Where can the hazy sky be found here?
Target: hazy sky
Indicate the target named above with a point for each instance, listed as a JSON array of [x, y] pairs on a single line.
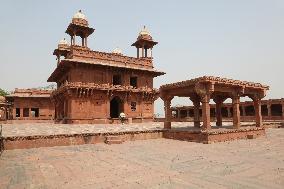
[[240, 39]]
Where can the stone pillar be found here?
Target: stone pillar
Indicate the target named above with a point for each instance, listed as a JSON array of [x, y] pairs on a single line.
[[168, 112], [205, 112], [244, 110], [178, 114], [196, 118], [142, 51], [269, 110], [229, 112], [137, 52], [86, 43], [21, 112], [187, 113], [74, 40], [107, 106], [218, 113], [257, 108], [236, 111]]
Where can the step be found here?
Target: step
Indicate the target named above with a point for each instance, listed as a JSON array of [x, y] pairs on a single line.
[[113, 141]]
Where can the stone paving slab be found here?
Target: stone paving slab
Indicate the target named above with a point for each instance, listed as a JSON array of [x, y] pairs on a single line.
[[159, 163], [43, 129]]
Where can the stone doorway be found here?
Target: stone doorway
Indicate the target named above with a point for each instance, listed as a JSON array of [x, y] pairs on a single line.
[[116, 107]]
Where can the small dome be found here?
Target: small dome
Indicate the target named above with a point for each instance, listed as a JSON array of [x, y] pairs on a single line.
[[117, 51], [144, 31], [63, 42], [2, 99], [80, 15]]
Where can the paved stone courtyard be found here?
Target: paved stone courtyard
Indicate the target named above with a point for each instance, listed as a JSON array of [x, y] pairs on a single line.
[[31, 129], [158, 163]]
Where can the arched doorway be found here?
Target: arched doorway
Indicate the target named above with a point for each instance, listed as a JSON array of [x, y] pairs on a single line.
[[116, 107]]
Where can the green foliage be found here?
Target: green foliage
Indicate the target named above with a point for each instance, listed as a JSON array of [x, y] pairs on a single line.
[[3, 92]]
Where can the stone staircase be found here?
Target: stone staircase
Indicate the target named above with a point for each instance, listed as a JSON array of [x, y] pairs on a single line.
[[111, 139]]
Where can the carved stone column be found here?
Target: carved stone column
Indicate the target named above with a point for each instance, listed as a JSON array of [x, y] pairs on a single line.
[[14, 113], [196, 118], [219, 113], [258, 116], [205, 112], [244, 110], [269, 110], [178, 116], [21, 112], [187, 113], [168, 112], [236, 111], [219, 102], [229, 111], [137, 52], [143, 55], [83, 42], [72, 41]]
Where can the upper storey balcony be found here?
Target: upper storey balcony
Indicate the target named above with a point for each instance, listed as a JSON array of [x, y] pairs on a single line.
[[84, 54]]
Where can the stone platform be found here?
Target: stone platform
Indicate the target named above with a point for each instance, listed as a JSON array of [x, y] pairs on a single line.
[[217, 134], [18, 136]]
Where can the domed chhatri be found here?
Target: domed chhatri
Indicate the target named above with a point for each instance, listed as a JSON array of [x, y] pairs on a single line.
[[79, 27], [117, 51], [80, 19], [62, 50], [144, 44], [80, 15], [145, 34], [63, 42], [144, 31]]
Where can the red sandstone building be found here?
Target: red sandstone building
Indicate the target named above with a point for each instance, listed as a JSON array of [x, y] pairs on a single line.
[[30, 105], [95, 87], [271, 110]]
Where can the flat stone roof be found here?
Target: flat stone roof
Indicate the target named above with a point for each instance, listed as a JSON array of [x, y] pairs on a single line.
[[23, 93], [215, 80]]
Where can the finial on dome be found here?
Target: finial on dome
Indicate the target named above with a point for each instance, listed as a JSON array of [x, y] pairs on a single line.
[[80, 15], [63, 42], [144, 31]]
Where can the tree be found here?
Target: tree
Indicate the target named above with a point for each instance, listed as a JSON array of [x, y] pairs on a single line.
[[3, 92]]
